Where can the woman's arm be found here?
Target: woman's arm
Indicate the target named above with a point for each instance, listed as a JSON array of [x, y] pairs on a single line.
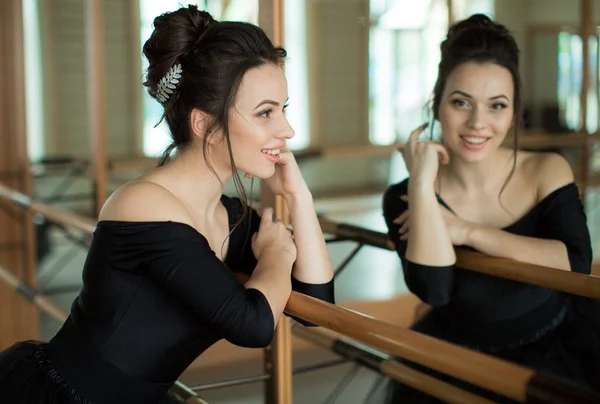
[[314, 276], [500, 243], [313, 265], [428, 240], [562, 240], [433, 284]]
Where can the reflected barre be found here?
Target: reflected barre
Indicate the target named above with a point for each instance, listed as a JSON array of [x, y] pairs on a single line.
[[565, 281], [51, 213], [390, 368]]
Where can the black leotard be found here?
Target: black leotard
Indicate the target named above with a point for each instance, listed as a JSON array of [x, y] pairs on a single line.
[[155, 296], [535, 326]]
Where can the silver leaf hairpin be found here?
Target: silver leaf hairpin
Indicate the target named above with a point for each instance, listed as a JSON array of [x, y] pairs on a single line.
[[168, 83]]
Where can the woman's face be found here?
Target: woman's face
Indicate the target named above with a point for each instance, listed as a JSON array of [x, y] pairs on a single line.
[[476, 110], [258, 127]]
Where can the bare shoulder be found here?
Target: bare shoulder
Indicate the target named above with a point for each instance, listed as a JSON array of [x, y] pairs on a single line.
[[549, 171], [144, 201]]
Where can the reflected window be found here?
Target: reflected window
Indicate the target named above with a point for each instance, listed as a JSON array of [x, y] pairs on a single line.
[[404, 53], [570, 76]]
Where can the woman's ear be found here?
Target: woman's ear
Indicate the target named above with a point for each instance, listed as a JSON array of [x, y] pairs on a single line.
[[199, 123]]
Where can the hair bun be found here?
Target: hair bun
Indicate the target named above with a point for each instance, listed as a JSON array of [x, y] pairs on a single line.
[[201, 21], [477, 31], [176, 35], [474, 24]]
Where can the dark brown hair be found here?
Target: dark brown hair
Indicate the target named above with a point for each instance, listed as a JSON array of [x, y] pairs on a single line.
[[481, 40], [214, 56]]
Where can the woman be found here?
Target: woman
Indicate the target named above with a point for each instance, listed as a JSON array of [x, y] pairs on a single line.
[[159, 284], [471, 191]]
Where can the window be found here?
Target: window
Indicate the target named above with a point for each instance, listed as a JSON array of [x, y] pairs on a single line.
[[156, 139], [570, 65], [33, 81], [296, 70]]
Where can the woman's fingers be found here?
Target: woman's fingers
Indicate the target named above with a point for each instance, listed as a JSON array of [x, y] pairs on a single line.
[[404, 228], [285, 156], [414, 136], [443, 153], [266, 217], [402, 218]]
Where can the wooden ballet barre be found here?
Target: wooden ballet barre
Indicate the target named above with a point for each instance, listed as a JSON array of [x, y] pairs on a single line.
[[179, 393], [52, 213], [510, 380], [565, 281], [390, 368], [32, 295]]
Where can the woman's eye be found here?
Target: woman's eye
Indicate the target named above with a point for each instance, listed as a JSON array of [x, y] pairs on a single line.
[[459, 103], [499, 105], [266, 113]]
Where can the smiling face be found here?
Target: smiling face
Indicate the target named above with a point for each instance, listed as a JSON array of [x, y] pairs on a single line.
[[258, 126], [476, 110]]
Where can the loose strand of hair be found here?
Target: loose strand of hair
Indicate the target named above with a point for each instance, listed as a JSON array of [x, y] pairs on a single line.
[[512, 171]]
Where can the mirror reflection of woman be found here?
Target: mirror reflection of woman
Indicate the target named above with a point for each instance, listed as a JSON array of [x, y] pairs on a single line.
[[471, 191]]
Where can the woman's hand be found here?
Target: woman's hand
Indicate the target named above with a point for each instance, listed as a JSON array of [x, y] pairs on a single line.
[[458, 229], [272, 236], [287, 180], [423, 158]]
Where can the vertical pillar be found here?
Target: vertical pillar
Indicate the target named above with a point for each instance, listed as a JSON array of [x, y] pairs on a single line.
[[97, 99], [278, 356], [18, 318]]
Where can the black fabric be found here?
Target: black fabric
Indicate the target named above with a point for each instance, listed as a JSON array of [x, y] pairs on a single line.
[[534, 326], [154, 297]]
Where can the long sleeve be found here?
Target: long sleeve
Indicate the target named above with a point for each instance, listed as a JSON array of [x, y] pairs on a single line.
[[433, 285], [180, 259], [247, 262], [563, 218]]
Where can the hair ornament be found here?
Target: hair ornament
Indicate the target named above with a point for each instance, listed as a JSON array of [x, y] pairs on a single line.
[[168, 83]]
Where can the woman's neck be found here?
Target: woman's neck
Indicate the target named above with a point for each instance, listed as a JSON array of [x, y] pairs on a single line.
[[189, 178], [480, 176]]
